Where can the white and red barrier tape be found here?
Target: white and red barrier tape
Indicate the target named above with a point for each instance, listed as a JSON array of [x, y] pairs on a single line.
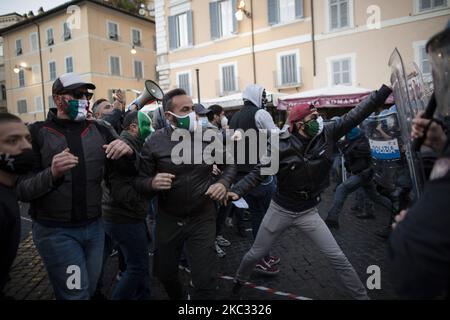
[[261, 288], [268, 290]]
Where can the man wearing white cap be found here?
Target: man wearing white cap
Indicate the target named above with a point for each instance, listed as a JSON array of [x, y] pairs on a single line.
[[64, 189]]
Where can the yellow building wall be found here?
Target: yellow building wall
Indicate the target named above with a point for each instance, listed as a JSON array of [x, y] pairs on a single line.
[[90, 49]]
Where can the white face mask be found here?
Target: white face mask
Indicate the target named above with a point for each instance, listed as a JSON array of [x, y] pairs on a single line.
[[224, 121]]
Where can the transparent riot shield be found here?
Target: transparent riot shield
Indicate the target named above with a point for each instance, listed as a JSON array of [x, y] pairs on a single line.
[[386, 146], [410, 98]]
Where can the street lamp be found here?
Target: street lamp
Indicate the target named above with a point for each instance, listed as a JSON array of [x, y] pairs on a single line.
[[133, 50], [22, 66], [241, 11], [239, 14]]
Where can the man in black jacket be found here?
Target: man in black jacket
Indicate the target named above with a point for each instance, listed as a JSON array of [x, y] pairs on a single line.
[[16, 157], [186, 194], [305, 157], [64, 189], [124, 213], [358, 163], [419, 246]]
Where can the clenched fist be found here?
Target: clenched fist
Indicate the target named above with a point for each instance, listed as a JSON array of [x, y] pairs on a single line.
[[62, 163], [162, 181], [217, 192]]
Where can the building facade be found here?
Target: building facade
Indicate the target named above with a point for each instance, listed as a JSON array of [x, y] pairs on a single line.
[[107, 46], [5, 21], [289, 46]]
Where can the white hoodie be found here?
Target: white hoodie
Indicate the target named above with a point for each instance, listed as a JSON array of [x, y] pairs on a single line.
[[263, 119]]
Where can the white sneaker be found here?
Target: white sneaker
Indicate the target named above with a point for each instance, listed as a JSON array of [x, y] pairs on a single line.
[[222, 241], [220, 252]]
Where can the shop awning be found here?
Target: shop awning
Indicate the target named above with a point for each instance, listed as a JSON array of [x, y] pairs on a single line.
[[328, 97], [235, 100]]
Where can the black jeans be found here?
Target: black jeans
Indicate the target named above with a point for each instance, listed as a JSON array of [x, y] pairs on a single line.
[[9, 244], [199, 234]]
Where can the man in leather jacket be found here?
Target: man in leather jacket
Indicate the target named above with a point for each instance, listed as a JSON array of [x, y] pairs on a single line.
[[186, 192], [305, 156]]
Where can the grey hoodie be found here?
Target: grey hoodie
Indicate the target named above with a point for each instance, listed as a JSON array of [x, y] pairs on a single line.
[[264, 120], [253, 93]]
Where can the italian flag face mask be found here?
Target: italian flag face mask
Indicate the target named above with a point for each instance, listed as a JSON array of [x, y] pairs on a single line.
[[77, 109], [145, 125], [187, 122]]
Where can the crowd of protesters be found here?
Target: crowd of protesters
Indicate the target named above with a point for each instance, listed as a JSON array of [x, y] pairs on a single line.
[[92, 175]]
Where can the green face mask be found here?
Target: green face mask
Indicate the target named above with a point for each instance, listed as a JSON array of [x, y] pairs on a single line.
[[145, 125], [312, 128], [186, 122]]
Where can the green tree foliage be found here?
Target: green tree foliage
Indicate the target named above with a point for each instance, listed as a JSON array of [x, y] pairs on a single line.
[[127, 5]]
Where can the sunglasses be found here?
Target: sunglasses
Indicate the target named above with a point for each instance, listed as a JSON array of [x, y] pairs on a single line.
[[79, 94]]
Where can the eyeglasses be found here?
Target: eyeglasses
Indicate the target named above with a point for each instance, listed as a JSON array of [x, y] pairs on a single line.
[[79, 94]]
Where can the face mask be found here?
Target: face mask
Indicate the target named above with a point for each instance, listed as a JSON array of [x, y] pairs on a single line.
[[264, 100], [224, 121], [77, 109], [187, 122], [203, 121], [18, 164], [320, 121], [312, 128], [145, 125]]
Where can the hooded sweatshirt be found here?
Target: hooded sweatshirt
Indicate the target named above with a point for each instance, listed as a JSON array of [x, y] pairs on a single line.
[[253, 94]]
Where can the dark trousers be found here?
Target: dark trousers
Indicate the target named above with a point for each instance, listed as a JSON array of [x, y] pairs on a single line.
[[198, 234], [222, 213], [9, 243]]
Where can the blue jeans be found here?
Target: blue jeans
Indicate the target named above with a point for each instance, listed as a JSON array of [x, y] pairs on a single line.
[[352, 184], [133, 241], [64, 251], [258, 201], [362, 202]]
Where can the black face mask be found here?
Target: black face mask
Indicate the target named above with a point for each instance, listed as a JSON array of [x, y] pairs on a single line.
[[18, 164]]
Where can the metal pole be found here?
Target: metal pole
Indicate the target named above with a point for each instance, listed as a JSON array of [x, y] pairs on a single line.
[[42, 71], [253, 45], [198, 85], [313, 38]]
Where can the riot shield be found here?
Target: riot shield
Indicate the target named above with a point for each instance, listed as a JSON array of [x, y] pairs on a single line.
[[410, 98], [438, 49], [386, 146]]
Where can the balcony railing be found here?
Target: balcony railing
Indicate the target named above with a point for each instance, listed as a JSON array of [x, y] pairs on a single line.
[[288, 80]]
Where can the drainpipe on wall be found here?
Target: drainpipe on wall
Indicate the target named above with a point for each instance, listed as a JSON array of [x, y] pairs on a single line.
[[198, 85], [312, 37], [42, 71], [253, 45]]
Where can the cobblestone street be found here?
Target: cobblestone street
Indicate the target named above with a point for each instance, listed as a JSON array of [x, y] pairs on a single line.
[[304, 272]]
